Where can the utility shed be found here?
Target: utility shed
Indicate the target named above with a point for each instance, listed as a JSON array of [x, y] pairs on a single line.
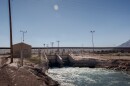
[[25, 48]]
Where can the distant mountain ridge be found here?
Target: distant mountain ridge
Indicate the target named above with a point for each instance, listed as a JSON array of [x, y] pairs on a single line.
[[126, 44]]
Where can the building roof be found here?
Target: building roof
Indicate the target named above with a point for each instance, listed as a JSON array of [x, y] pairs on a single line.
[[22, 44]]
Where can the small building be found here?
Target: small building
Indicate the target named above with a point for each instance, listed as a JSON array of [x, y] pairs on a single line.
[[21, 47]]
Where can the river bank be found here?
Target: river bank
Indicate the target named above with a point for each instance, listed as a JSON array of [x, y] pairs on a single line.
[[121, 64], [96, 61], [27, 75]]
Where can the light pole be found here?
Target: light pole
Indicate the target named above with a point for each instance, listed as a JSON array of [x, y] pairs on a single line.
[[52, 43], [23, 32], [44, 47], [82, 50], [22, 52], [47, 47], [11, 39], [92, 39], [58, 46]]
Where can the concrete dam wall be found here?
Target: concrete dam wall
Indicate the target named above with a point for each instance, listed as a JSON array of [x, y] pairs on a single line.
[[60, 60]]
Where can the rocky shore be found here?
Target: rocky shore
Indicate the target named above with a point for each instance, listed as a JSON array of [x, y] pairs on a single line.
[[12, 75], [120, 64]]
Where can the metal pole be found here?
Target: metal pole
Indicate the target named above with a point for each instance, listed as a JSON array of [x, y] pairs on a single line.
[[58, 46], [44, 47], [52, 43], [92, 40], [21, 56], [23, 36], [11, 39], [22, 52], [47, 49], [23, 32], [82, 50]]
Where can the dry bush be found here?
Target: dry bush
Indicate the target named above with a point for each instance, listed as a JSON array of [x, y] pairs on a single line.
[[34, 59]]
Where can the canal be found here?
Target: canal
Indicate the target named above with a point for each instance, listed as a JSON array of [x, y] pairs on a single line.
[[89, 77]]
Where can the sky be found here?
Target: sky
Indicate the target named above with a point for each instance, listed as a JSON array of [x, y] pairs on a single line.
[[69, 21]]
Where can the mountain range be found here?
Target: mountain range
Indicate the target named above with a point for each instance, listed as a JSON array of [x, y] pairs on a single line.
[[126, 44]]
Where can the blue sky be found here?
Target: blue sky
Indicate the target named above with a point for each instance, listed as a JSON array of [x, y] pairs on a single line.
[[69, 21]]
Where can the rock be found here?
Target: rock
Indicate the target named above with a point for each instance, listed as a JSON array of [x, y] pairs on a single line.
[[3, 61], [24, 76]]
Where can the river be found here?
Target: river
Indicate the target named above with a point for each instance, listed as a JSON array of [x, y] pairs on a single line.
[[89, 77]]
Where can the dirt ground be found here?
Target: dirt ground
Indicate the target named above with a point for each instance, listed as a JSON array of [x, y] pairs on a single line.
[[99, 56]]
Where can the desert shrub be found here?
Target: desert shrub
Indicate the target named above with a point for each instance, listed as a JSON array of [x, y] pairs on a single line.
[[34, 59]]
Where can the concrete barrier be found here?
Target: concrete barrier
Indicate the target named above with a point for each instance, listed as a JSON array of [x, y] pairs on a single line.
[[71, 59], [82, 63], [59, 60]]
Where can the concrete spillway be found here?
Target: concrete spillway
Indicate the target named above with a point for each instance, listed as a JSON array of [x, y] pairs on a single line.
[[60, 60], [70, 61]]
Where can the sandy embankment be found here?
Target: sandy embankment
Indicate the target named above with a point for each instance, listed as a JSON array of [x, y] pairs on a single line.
[[12, 75]]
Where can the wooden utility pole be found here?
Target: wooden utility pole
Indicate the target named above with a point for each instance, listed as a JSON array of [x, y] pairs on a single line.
[[10, 23]]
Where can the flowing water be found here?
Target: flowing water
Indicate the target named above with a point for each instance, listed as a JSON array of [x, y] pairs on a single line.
[[89, 77]]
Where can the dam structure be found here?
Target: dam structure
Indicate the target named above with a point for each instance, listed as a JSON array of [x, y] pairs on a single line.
[[86, 58], [79, 56], [58, 60]]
